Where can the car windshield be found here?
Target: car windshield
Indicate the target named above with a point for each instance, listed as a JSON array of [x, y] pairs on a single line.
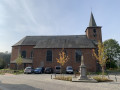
[[38, 68], [69, 68], [57, 67], [47, 68], [28, 67]]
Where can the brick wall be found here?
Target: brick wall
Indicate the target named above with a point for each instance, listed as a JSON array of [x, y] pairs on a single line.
[[28, 50], [89, 33], [40, 56], [15, 51]]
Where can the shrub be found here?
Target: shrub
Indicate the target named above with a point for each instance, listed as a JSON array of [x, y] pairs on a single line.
[[66, 78], [3, 71], [100, 79]]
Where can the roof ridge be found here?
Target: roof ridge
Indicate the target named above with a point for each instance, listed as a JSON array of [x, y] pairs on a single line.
[[54, 35]]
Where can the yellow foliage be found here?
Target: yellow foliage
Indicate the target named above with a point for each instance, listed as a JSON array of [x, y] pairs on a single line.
[[63, 58], [19, 60], [101, 56]]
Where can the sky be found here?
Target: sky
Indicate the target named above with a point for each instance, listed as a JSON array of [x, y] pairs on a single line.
[[20, 18]]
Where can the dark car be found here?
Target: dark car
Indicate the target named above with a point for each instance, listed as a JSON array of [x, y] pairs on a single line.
[[48, 70], [58, 69], [42, 69], [28, 70], [38, 70]]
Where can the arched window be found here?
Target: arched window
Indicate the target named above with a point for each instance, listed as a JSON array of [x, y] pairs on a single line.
[[65, 51], [31, 54], [78, 54], [94, 34], [94, 30], [23, 54], [49, 56]]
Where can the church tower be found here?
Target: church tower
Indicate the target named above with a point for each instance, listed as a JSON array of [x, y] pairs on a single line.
[[93, 31]]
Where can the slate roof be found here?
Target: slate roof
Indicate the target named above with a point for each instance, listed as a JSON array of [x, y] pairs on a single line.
[[67, 41], [92, 22]]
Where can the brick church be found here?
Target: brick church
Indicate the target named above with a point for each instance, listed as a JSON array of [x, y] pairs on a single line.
[[39, 51]]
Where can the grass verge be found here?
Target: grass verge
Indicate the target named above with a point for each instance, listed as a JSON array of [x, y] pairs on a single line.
[[15, 72], [97, 78], [100, 79], [65, 78]]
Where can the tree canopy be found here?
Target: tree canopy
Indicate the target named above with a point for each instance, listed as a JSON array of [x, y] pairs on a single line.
[[112, 49], [19, 61], [2, 63], [4, 59], [101, 56]]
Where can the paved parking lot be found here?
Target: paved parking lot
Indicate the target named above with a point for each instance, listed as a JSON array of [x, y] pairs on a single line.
[[44, 82]]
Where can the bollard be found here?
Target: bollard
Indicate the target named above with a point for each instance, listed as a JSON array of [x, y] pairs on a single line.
[[115, 78], [51, 76], [75, 75], [108, 76], [55, 75]]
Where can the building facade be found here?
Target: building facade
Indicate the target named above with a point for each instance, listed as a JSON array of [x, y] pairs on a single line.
[[39, 51]]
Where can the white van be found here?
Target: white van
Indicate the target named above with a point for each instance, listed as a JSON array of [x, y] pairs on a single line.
[[58, 69]]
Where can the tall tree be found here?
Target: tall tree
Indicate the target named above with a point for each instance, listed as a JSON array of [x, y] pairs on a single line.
[[5, 56], [101, 56], [63, 58], [113, 52], [2, 63]]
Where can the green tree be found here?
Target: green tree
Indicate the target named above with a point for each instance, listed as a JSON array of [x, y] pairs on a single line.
[[19, 61], [5, 56], [113, 52], [2, 63], [101, 56]]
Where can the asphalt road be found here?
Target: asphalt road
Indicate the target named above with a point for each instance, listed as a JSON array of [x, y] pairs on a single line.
[[44, 82]]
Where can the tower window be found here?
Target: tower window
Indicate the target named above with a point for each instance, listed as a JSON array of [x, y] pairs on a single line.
[[94, 34], [94, 30]]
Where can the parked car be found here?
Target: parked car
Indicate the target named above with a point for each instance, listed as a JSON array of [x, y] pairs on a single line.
[[69, 70], [42, 69], [38, 70], [48, 70], [28, 70], [57, 69]]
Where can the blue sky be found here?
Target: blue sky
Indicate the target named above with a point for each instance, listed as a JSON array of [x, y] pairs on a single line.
[[20, 18]]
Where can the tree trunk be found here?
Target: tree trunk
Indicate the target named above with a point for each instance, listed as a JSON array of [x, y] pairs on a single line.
[[102, 71], [61, 70], [17, 66]]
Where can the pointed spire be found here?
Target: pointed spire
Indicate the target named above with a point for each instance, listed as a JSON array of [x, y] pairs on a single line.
[[92, 22]]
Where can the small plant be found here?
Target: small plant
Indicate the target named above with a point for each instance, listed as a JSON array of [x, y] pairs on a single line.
[[102, 79], [63, 58], [18, 72], [66, 78], [19, 61]]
